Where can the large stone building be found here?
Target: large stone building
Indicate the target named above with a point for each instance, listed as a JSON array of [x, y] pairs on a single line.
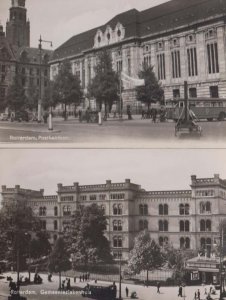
[[186, 218], [181, 39], [17, 58]]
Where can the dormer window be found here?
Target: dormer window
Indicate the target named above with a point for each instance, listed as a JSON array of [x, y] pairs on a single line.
[[119, 32], [99, 39], [174, 42], [146, 48], [108, 36]]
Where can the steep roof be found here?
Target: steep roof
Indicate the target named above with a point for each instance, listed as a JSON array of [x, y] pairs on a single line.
[[33, 54], [155, 20]]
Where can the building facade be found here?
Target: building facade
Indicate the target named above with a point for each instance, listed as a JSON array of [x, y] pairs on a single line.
[[187, 219], [17, 59], [182, 40]]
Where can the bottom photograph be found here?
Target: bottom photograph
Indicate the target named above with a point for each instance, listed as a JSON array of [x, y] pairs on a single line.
[[112, 224]]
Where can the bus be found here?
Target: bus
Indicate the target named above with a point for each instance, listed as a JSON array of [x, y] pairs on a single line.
[[100, 291], [200, 108]]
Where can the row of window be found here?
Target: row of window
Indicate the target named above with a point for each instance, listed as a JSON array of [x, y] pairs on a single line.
[[184, 225], [118, 196], [66, 210], [185, 242], [214, 93], [192, 64]]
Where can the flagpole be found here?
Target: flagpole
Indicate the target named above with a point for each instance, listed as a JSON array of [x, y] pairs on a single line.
[[120, 93]]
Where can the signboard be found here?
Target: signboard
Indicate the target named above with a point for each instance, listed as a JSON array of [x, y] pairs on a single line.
[[195, 275]]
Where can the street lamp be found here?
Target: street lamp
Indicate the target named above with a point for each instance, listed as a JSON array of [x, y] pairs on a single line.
[[221, 261], [29, 255], [120, 275], [40, 77]]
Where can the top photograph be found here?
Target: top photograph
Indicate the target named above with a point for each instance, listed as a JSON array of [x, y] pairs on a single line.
[[113, 74]]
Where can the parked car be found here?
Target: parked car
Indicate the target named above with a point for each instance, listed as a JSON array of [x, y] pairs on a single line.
[[21, 116], [4, 117]]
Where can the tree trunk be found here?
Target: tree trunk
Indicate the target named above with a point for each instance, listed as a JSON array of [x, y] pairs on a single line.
[[59, 280], [147, 278], [105, 110], [65, 112]]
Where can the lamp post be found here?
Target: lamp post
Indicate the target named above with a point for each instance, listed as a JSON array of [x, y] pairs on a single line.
[[29, 255], [221, 261], [120, 275], [40, 77]]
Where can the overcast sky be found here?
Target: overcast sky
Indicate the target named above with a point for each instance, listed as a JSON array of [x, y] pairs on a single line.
[[152, 169], [58, 20]]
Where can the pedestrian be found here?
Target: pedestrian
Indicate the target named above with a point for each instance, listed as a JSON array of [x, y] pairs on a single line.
[[68, 284], [180, 291], [75, 279], [195, 296], [63, 283], [83, 277], [211, 287], [142, 114], [205, 293], [127, 292], [158, 287], [88, 275], [198, 294], [80, 277]]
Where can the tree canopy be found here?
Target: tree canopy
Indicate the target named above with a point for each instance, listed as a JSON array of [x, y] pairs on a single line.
[[66, 87], [87, 243], [16, 99], [146, 254], [19, 227], [58, 259], [152, 90], [104, 86]]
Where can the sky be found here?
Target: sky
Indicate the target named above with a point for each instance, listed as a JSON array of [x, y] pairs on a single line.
[[58, 20], [153, 169]]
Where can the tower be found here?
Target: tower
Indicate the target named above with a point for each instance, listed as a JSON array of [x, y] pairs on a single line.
[[18, 27]]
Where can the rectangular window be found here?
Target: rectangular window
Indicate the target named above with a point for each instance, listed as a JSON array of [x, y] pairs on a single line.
[[83, 197], [161, 66], [117, 196], [212, 58], [129, 66], [192, 62], [102, 197], [176, 93], [176, 65], [119, 66], [92, 197], [67, 198], [214, 92], [193, 93]]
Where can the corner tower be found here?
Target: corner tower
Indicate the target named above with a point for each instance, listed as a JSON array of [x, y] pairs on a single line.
[[18, 27]]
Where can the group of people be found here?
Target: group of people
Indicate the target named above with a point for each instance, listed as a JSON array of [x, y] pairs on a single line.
[[83, 277], [37, 278], [66, 284], [153, 113], [207, 294]]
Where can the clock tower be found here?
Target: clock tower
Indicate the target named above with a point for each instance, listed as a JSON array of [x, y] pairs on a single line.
[[18, 27]]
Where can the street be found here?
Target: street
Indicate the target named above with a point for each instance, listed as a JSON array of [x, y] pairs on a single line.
[[47, 290], [113, 133]]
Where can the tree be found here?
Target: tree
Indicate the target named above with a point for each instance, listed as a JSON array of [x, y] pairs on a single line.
[[152, 90], [32, 97], [146, 255], [58, 259], [16, 222], [16, 99], [40, 245], [66, 87], [87, 243], [105, 85], [175, 260]]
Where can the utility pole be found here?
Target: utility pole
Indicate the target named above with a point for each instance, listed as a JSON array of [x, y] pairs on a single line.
[[40, 77], [120, 276]]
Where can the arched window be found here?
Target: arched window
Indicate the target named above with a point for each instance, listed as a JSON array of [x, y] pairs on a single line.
[[165, 225], [205, 244], [187, 226], [165, 209], [181, 225], [67, 210], [201, 207], [42, 211], [117, 242], [161, 241], [55, 211], [143, 209], [102, 207], [202, 225], [187, 243], [117, 225], [182, 241], [143, 224], [55, 225], [160, 225], [115, 209], [186, 209], [160, 209], [208, 225], [208, 207]]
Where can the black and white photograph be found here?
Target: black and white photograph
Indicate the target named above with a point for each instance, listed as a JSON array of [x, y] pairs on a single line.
[[113, 74], [112, 224]]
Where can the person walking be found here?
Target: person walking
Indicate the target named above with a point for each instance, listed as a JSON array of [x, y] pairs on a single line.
[[127, 292], [198, 294], [158, 287], [195, 296], [180, 291]]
